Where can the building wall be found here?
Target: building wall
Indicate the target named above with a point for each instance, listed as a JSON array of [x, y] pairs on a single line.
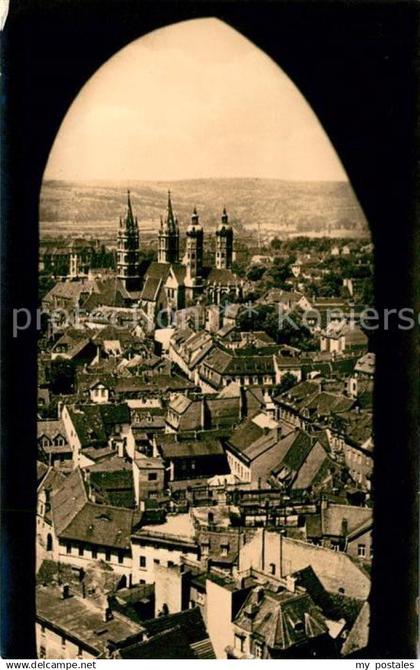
[[170, 589], [72, 436], [237, 467], [360, 465], [50, 644], [144, 488], [219, 617], [361, 546], [68, 552], [270, 551], [155, 554]]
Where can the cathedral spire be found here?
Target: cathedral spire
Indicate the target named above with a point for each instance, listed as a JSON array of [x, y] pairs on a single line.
[[129, 219], [128, 249], [170, 216], [168, 237]]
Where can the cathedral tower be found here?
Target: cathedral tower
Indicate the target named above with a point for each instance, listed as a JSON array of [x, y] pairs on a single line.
[[128, 250], [168, 239], [224, 243], [193, 259], [194, 247]]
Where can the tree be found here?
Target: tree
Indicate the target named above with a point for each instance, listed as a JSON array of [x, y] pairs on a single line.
[[287, 381], [276, 244], [238, 269], [62, 376], [279, 273], [255, 272]]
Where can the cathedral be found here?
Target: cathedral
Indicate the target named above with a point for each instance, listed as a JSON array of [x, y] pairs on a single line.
[[171, 283]]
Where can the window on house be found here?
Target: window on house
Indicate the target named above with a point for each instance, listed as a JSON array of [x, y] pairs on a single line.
[[68, 548], [120, 557], [152, 476], [108, 555], [142, 561], [224, 548], [43, 629], [63, 641], [81, 550], [361, 550], [156, 561], [42, 652], [170, 564], [272, 568]]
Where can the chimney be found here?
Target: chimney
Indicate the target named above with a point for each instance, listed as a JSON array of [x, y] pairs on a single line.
[[290, 583], [203, 413], [242, 403], [259, 592], [344, 527], [65, 591], [121, 449], [59, 408], [107, 614]]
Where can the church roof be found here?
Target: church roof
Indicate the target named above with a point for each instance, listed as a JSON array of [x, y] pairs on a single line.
[[158, 270], [151, 289], [221, 276]]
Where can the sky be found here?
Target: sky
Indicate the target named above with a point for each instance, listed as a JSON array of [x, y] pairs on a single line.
[[191, 100]]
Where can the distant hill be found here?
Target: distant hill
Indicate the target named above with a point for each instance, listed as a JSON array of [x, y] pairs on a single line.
[[277, 206]]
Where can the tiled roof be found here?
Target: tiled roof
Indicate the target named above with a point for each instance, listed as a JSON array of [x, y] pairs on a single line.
[[168, 644], [317, 462], [51, 428], [225, 362], [221, 276], [245, 434], [333, 517], [179, 403], [189, 620], [104, 525], [190, 448], [41, 471], [68, 500], [158, 271], [366, 364], [276, 615], [109, 292], [69, 290], [151, 289]]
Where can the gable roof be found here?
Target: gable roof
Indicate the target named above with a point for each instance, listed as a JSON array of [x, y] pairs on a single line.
[[51, 428], [103, 525], [171, 448], [333, 516], [275, 615], [68, 500], [168, 644], [151, 289]]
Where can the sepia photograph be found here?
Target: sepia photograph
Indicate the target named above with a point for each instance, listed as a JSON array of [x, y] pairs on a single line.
[[207, 329]]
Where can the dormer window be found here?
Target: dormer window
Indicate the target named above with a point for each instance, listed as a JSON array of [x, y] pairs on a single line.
[[299, 627]]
